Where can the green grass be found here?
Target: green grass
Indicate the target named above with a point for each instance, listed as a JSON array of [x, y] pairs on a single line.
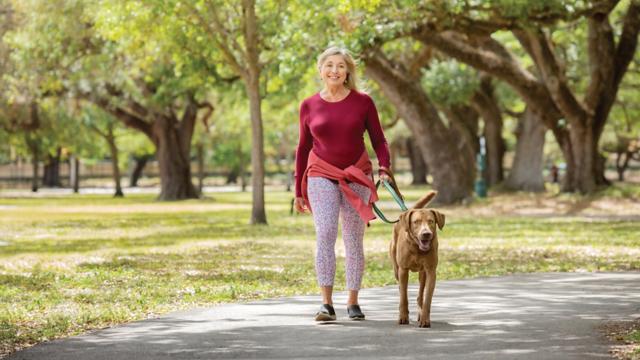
[[74, 263], [634, 338]]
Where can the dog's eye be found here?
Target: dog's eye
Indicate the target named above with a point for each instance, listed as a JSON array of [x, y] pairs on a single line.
[[431, 221]]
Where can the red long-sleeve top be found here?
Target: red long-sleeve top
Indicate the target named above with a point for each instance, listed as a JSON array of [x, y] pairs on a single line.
[[335, 132]]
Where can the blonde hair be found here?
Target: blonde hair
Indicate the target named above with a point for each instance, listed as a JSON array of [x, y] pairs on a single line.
[[351, 81]]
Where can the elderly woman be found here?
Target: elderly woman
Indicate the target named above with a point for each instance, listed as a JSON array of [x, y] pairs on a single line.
[[334, 173]]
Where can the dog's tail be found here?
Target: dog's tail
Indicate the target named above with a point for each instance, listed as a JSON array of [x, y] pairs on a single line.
[[425, 200]]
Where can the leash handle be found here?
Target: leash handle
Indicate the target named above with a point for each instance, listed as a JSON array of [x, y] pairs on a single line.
[[395, 196]]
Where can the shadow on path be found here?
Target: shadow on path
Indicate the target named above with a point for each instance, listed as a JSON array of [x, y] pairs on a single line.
[[536, 316]]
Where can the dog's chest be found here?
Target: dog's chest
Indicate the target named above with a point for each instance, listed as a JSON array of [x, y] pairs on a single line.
[[415, 261]]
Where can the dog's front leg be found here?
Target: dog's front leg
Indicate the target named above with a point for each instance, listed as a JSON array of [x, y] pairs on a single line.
[[423, 280], [425, 315], [403, 275]]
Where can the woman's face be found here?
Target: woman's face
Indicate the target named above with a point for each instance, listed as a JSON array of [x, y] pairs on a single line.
[[334, 71]]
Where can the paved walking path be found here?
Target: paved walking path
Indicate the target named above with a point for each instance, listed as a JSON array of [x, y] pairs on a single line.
[[532, 316]]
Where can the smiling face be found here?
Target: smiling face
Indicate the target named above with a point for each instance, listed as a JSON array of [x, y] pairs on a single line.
[[333, 71], [422, 224]]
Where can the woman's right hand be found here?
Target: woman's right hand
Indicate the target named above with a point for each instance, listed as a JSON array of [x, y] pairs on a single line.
[[300, 205]]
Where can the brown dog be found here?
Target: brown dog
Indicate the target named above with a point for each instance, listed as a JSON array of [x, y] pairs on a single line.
[[415, 248]]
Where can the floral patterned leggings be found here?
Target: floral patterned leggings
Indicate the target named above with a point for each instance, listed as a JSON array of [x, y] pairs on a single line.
[[327, 201]]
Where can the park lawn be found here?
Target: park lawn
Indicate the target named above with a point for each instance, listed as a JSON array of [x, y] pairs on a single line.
[[73, 263]]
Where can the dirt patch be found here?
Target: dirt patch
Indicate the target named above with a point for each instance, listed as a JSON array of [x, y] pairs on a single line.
[[550, 205], [625, 346]]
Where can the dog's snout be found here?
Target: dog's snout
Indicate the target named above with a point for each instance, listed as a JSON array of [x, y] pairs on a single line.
[[426, 235]]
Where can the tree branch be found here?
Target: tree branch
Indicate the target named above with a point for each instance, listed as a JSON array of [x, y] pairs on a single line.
[[207, 115], [420, 60], [251, 35], [539, 48], [376, 55], [216, 31], [188, 123], [601, 52], [98, 131], [628, 42], [491, 57], [129, 119], [140, 110]]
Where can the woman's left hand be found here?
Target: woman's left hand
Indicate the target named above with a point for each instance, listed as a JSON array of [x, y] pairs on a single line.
[[384, 176]]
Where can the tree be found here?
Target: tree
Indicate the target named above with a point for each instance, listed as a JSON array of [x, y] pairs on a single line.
[[526, 170], [550, 94], [484, 102], [241, 37], [104, 125], [453, 171], [103, 53], [623, 137]]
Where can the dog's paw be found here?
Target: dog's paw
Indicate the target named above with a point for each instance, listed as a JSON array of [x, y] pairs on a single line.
[[425, 324], [403, 320]]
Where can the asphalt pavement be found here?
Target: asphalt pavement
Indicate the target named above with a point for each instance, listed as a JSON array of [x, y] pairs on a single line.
[[528, 316]]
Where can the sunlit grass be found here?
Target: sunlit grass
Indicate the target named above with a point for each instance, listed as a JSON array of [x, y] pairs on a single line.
[[73, 263]]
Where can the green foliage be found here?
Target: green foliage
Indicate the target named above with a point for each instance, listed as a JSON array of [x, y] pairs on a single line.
[[522, 9], [450, 82], [230, 135]]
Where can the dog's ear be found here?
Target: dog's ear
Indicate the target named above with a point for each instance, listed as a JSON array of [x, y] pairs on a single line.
[[405, 220], [439, 218]]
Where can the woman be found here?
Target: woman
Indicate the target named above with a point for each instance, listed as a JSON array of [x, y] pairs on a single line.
[[334, 174]]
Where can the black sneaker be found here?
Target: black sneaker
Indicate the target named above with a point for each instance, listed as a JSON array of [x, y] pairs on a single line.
[[354, 312], [326, 313]]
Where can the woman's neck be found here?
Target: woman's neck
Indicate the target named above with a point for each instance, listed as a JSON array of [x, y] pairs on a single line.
[[336, 93]]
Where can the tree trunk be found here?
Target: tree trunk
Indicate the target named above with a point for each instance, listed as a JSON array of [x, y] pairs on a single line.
[[600, 167], [526, 170], [172, 146], [51, 172], [170, 135], [258, 214], [113, 149], [418, 165], [252, 83], [74, 173], [242, 172], [622, 163], [488, 55], [484, 102], [200, 152], [584, 152], [453, 172], [463, 125], [394, 151], [232, 176], [35, 160], [141, 162], [290, 156]]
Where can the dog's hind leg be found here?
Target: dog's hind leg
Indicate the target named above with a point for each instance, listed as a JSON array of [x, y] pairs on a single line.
[[423, 280]]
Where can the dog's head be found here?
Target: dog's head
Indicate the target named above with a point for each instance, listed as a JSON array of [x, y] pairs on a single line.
[[422, 224]]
